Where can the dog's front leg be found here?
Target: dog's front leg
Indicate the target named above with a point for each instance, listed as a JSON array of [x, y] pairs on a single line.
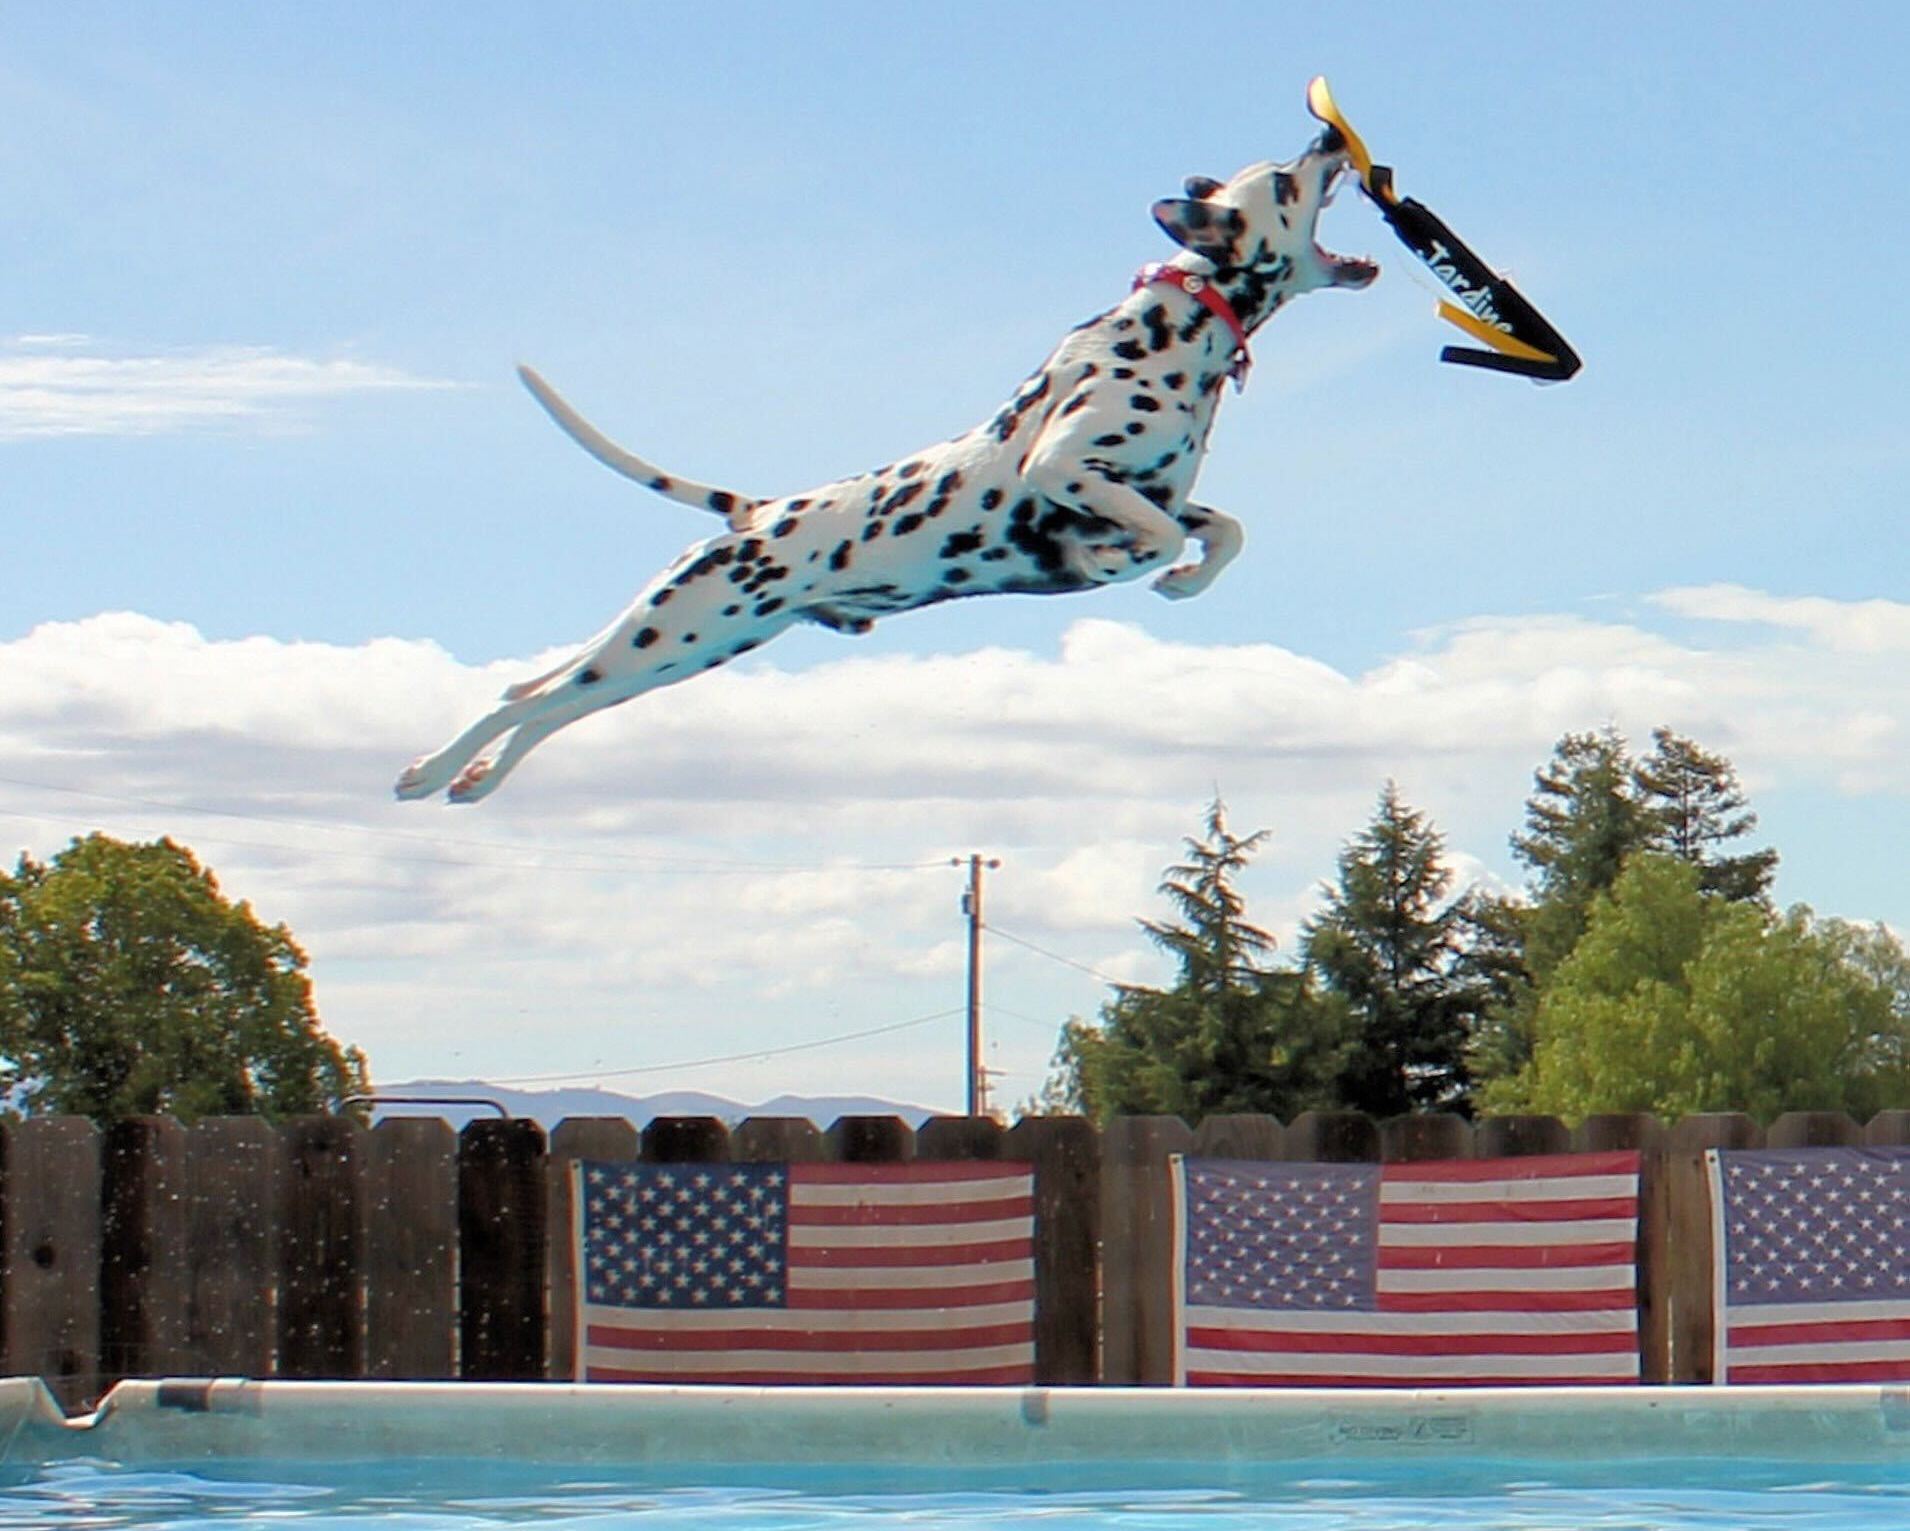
[[1152, 536], [1220, 537]]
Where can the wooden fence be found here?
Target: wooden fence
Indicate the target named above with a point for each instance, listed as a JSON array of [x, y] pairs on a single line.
[[321, 1248]]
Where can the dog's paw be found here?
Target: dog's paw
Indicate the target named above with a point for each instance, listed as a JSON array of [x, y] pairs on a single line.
[[417, 780], [469, 784], [1185, 580]]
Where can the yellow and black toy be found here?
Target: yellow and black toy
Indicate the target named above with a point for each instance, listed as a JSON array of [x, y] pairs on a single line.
[[1483, 303]]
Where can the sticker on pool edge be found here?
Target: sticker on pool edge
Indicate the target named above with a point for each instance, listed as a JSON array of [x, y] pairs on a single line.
[[1393, 1430]]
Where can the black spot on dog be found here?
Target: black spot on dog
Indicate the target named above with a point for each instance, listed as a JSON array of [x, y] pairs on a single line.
[[1167, 461], [935, 506], [1144, 404], [872, 531], [1174, 379], [1124, 373], [748, 549], [662, 597], [994, 555], [1123, 325], [1024, 511], [689, 637], [783, 527], [958, 543], [661, 483], [990, 498], [1160, 494], [1132, 350], [949, 482], [1134, 427], [722, 501], [1159, 333], [839, 560], [769, 607], [644, 638], [1090, 370], [903, 495], [1195, 325], [910, 469], [745, 646], [1110, 441], [1285, 188], [956, 576], [589, 677], [1080, 401], [730, 611], [906, 524], [796, 505]]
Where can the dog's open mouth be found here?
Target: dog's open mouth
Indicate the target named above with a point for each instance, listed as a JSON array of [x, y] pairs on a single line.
[[1343, 270]]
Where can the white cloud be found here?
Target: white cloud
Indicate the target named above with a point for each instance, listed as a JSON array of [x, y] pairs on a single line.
[[68, 385], [763, 856]]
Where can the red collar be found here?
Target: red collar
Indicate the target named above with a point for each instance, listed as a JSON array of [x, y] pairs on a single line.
[[1211, 298]]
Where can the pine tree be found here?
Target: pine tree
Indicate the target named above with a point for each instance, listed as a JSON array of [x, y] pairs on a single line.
[[1231, 1034], [1386, 942], [1694, 804]]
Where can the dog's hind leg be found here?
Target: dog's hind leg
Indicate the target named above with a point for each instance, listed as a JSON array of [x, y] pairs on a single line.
[[486, 774], [432, 773], [733, 507]]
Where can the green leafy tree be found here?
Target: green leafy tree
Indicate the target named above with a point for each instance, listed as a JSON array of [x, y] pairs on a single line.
[[1695, 807], [1387, 941], [1592, 808], [130, 985], [1232, 1034], [1678, 1000]]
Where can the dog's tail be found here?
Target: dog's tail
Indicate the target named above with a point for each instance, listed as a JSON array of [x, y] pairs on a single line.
[[733, 507]]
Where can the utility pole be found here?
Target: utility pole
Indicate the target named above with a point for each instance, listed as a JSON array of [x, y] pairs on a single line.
[[972, 907]]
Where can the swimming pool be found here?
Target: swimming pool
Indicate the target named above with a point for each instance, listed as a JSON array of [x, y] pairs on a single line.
[[447, 1456]]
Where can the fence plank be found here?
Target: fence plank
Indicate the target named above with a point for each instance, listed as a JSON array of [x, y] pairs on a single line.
[[502, 1219], [604, 1139], [1137, 1259], [321, 1247], [1066, 1154], [1813, 1129], [1332, 1137], [870, 1140], [50, 1208], [959, 1137], [686, 1140], [143, 1274], [1640, 1131], [411, 1250], [232, 1238], [1888, 1129], [1239, 1135], [777, 1140], [1425, 1135], [1688, 1235], [1515, 1137]]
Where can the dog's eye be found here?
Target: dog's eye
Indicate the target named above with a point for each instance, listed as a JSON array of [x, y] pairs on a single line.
[[1201, 187]]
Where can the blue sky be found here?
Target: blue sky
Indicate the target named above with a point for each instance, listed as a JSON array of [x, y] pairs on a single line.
[[266, 272]]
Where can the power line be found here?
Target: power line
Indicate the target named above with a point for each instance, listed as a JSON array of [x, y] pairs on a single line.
[[1042, 951], [760, 1052]]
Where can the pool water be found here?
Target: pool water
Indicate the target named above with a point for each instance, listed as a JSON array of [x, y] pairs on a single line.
[[304, 1496]]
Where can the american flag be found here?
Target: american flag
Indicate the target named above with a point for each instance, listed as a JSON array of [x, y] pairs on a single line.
[[1812, 1264], [762, 1273], [1474, 1272]]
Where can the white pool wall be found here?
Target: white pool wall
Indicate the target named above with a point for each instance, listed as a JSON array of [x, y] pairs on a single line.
[[181, 1421]]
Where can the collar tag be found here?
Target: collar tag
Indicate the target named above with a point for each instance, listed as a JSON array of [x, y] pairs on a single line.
[[1211, 298]]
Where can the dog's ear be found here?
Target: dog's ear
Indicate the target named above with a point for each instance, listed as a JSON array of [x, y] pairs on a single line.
[[1201, 187], [1206, 229]]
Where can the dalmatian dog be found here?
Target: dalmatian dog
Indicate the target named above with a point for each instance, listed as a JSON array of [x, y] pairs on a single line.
[[1081, 479]]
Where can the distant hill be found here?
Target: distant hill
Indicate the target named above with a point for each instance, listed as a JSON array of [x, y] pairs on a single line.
[[549, 1107]]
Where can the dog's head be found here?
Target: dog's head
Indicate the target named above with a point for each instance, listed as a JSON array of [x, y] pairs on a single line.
[[1261, 223]]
